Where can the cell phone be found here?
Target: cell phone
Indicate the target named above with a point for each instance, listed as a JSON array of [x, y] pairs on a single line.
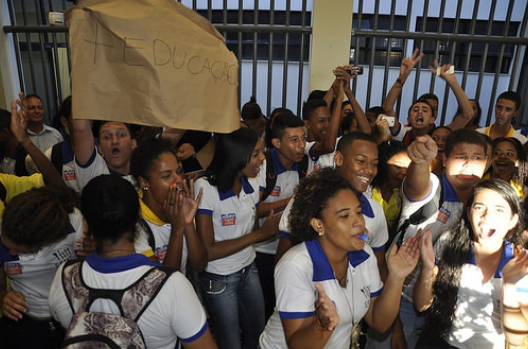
[[356, 70], [390, 120]]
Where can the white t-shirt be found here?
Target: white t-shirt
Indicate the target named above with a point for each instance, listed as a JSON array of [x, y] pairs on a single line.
[[233, 216], [295, 276], [174, 313]]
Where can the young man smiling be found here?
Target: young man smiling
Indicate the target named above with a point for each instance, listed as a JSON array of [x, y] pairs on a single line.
[[42, 135]]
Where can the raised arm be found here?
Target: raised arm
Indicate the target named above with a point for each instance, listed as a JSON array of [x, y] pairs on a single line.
[[406, 68], [327, 145], [462, 99], [83, 139], [359, 113], [417, 183], [514, 312], [18, 128]]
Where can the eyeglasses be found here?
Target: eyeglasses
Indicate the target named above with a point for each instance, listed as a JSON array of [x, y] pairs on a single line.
[[33, 107]]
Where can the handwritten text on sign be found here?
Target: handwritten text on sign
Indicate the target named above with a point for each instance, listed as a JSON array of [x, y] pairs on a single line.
[[131, 51]]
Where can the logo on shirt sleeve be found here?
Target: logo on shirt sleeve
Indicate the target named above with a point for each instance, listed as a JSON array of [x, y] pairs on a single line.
[[13, 268], [228, 219], [161, 252], [276, 191], [443, 215]]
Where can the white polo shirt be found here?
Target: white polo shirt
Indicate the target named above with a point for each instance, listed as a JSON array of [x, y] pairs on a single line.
[[377, 227], [287, 181], [296, 274], [318, 162], [174, 313], [233, 216], [68, 165], [94, 167], [31, 274]]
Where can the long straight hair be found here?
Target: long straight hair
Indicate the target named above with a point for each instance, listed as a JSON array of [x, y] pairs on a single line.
[[457, 252], [232, 153]]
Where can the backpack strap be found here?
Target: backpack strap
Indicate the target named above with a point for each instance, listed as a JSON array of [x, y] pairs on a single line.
[[144, 290], [302, 167], [422, 214], [150, 234], [271, 177]]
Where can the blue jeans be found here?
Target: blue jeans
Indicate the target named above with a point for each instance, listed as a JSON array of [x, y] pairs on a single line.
[[234, 301]]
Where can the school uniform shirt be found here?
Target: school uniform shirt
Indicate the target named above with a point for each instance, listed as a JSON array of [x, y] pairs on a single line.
[[448, 214], [319, 162], [296, 274], [287, 181], [374, 222], [31, 274], [174, 313], [161, 232], [477, 322], [511, 133], [46, 138], [233, 216], [68, 165], [96, 166]]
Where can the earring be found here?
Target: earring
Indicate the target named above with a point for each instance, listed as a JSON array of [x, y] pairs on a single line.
[[320, 232], [145, 188]]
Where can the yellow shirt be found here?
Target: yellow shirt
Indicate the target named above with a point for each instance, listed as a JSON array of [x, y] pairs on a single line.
[[391, 208], [15, 185], [515, 185]]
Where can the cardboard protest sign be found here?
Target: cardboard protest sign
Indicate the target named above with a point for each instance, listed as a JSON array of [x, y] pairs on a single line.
[[151, 62]]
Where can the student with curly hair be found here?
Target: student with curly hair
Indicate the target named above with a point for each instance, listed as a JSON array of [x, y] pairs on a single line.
[[462, 289], [39, 232], [330, 281]]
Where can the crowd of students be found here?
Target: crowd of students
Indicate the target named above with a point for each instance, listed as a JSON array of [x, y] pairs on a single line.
[[335, 230]]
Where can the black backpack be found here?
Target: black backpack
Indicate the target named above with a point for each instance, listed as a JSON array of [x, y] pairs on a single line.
[[271, 176], [104, 330]]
